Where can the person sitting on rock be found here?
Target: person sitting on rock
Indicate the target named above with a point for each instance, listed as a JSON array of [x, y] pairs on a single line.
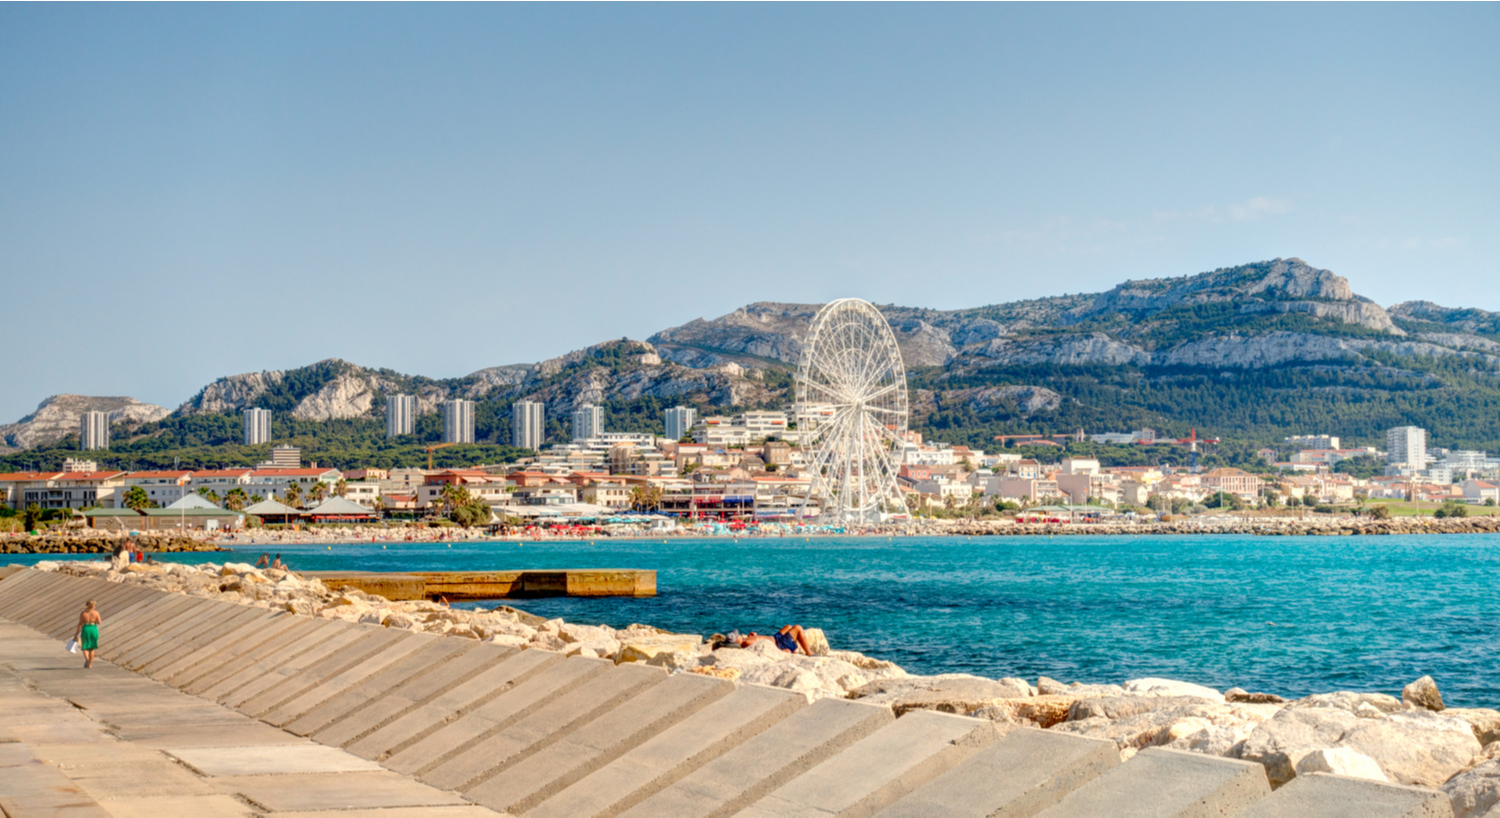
[[264, 561], [278, 564], [788, 639]]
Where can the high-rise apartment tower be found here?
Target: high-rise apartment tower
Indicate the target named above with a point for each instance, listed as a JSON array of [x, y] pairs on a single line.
[[588, 421], [400, 415], [680, 421], [257, 426], [527, 429], [1408, 445], [93, 431], [458, 421]]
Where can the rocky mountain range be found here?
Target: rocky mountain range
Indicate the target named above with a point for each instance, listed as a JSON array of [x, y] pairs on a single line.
[[987, 361]]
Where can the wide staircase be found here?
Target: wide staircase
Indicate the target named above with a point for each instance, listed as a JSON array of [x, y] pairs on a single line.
[[531, 733]]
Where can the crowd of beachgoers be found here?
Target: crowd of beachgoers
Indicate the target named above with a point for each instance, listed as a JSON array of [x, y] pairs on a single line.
[[1407, 738]]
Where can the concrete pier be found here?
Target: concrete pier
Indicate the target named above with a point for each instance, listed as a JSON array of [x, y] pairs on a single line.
[[465, 585], [198, 707]]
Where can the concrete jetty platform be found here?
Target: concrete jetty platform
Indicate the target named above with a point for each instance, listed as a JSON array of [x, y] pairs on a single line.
[[198, 707], [523, 584]]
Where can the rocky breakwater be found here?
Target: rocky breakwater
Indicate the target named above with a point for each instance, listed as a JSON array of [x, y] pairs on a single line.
[[1329, 526], [1413, 739], [96, 542]]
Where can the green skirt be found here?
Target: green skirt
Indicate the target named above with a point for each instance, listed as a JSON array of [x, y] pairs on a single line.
[[88, 639]]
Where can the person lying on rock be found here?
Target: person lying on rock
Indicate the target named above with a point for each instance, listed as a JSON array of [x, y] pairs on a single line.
[[788, 639]]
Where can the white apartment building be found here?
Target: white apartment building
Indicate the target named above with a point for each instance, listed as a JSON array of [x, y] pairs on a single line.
[[588, 421], [220, 481], [528, 424], [762, 424], [78, 464], [93, 431], [458, 421], [257, 426], [363, 493], [1407, 446], [918, 455], [273, 483], [1314, 441], [400, 415], [680, 421], [284, 457], [720, 431], [162, 487]]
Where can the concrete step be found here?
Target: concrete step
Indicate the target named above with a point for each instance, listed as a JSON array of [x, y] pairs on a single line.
[[513, 704], [300, 675], [205, 617], [403, 644], [140, 626], [472, 763], [247, 628], [420, 718], [768, 761], [427, 656], [233, 618], [228, 654], [879, 769], [1159, 783], [418, 691], [1024, 772], [1337, 796], [671, 755], [551, 769], [266, 658]]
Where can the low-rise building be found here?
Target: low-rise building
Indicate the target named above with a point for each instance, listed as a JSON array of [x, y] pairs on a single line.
[[1238, 482]]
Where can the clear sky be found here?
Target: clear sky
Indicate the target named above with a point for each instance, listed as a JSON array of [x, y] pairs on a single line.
[[191, 191]]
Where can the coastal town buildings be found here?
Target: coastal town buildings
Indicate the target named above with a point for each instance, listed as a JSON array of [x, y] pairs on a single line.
[[528, 425], [257, 426], [400, 415], [1406, 449]]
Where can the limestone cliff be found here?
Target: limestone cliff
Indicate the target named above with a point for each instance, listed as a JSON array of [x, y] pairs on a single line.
[[58, 416]]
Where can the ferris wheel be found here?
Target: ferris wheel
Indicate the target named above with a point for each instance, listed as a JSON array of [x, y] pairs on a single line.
[[851, 407]]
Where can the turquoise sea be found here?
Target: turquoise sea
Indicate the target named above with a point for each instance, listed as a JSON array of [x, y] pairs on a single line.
[[1284, 615]]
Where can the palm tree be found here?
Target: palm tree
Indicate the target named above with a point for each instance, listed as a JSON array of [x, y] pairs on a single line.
[[234, 499], [208, 494], [379, 506], [293, 495], [136, 498], [256, 498], [341, 488], [319, 493]]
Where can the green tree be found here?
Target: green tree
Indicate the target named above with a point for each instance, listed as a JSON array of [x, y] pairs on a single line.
[[208, 494], [293, 495], [319, 493], [234, 499], [1381, 512], [32, 517], [136, 498], [341, 488]]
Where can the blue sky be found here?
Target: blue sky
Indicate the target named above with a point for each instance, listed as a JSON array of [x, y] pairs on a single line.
[[191, 191]]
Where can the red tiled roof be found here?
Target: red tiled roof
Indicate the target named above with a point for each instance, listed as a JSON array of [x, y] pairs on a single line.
[[223, 473], [16, 477], [158, 475], [89, 475], [289, 472]]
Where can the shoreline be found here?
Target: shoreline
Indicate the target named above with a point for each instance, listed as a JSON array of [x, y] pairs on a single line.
[[1412, 739]]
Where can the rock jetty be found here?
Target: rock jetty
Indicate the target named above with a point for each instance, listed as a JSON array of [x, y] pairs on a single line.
[[94, 542], [1413, 740]]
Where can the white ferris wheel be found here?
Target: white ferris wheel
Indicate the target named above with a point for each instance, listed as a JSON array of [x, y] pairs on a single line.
[[851, 398]]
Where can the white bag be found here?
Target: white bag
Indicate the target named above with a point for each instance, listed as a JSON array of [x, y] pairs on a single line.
[[72, 646]]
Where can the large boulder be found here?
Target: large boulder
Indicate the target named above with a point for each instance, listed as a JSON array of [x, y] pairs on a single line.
[[1370, 705], [1475, 792], [1182, 723], [1423, 693], [1280, 742], [1037, 711], [1418, 748], [1052, 687], [957, 693], [872, 667], [644, 648], [1151, 686], [1484, 721], [1341, 761]]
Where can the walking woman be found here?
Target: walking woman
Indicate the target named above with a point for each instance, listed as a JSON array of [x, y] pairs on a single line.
[[88, 633]]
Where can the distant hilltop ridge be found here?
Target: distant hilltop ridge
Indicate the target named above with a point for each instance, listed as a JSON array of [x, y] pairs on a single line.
[[1248, 317]]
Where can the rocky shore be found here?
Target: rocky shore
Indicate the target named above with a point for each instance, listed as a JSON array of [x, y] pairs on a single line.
[[1329, 526], [1411, 739], [96, 542]]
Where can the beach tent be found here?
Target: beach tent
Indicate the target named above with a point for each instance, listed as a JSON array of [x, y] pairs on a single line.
[[274, 512], [340, 509], [193, 501]]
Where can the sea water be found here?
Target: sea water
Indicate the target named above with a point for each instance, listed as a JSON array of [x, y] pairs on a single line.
[[1286, 615]]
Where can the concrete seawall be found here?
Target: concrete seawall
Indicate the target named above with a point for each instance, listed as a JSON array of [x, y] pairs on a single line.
[[409, 720], [524, 584]]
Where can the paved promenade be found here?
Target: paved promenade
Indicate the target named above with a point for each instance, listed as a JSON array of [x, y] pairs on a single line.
[[208, 708]]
